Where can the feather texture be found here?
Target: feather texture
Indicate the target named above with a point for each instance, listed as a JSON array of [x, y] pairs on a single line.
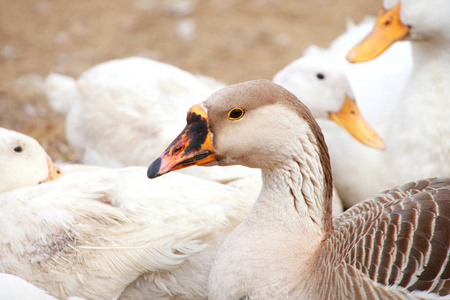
[[95, 232], [399, 237]]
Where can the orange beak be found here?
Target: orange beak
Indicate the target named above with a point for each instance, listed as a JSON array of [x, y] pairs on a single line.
[[388, 29], [351, 120], [53, 171], [192, 146]]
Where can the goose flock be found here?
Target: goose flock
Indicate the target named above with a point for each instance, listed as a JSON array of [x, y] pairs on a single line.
[[285, 157]]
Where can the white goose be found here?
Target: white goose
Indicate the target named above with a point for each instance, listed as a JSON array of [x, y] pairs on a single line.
[[25, 155], [393, 246], [102, 233], [418, 130]]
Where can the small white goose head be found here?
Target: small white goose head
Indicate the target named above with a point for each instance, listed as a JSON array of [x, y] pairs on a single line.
[[321, 84], [419, 20], [23, 162]]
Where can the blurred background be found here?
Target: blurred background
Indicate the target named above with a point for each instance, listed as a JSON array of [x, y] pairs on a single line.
[[230, 40]]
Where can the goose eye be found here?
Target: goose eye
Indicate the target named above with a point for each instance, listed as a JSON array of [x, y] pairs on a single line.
[[18, 149], [320, 76], [235, 113]]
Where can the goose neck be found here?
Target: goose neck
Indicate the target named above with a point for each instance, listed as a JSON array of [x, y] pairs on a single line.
[[294, 195], [431, 55]]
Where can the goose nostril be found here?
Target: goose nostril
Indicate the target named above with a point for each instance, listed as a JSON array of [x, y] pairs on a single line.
[[387, 22], [178, 150]]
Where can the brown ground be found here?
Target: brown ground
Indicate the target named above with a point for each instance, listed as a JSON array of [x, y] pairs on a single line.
[[234, 40]]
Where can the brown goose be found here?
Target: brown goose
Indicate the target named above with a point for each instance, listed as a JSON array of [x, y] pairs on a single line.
[[392, 246]]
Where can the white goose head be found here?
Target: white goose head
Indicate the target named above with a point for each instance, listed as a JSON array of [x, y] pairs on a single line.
[[321, 84], [23, 162], [417, 20], [318, 82]]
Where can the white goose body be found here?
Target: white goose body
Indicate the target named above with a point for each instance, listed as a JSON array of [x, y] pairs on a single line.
[[97, 233], [416, 131], [393, 246], [426, 140], [103, 233]]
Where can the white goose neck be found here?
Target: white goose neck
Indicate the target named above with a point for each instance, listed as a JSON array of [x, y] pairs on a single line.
[[429, 55]]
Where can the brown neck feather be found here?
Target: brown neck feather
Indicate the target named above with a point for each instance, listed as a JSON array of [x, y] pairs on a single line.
[[304, 112]]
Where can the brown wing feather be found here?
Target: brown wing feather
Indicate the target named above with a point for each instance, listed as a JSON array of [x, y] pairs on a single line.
[[400, 237]]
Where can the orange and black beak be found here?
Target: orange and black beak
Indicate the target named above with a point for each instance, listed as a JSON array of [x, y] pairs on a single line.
[[387, 30], [193, 146]]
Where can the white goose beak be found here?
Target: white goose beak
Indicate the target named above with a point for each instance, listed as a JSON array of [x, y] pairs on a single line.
[[351, 120], [53, 171]]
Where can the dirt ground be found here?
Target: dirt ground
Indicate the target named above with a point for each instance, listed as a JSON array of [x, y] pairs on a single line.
[[231, 40]]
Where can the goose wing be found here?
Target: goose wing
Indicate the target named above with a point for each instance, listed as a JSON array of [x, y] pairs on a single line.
[[400, 237]]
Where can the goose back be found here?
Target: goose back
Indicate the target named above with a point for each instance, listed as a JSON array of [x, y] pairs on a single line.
[[397, 238]]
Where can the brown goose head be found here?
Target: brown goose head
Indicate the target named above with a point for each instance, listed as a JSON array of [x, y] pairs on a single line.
[[255, 124]]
